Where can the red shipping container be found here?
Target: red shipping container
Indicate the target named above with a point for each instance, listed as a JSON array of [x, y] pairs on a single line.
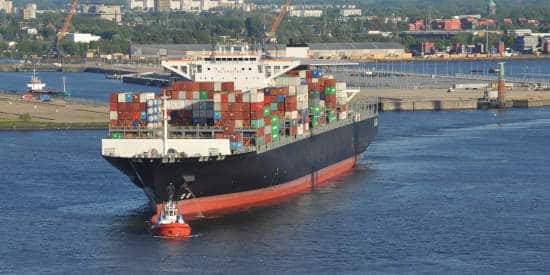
[[246, 123], [260, 132], [256, 107], [225, 107], [267, 121], [114, 98], [228, 86], [309, 74], [313, 87], [211, 94], [135, 98], [219, 135], [330, 83], [135, 115], [238, 97], [174, 94], [206, 86], [268, 138], [113, 106], [224, 98], [122, 107], [257, 115], [135, 107]]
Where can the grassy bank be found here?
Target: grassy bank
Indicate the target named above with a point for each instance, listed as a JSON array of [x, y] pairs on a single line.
[[19, 125]]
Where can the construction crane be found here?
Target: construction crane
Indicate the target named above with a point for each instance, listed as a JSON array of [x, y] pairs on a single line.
[[65, 27], [270, 36]]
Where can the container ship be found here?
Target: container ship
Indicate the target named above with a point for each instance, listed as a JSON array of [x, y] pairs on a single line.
[[242, 130]]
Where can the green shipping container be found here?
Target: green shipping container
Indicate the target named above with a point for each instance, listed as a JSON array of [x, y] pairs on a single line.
[[274, 106], [267, 111], [274, 129], [116, 135], [274, 137], [330, 90], [203, 95], [274, 120], [314, 110]]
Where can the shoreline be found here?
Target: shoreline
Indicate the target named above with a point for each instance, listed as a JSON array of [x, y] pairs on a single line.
[[18, 125]]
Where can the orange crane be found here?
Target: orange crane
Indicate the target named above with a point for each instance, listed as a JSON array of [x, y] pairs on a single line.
[[65, 27], [271, 35]]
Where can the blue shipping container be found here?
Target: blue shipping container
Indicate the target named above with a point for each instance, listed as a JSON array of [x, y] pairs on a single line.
[[281, 99], [143, 116], [217, 115], [128, 98], [236, 145]]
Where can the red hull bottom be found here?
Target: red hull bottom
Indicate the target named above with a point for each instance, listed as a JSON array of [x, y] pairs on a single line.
[[214, 206], [173, 230]]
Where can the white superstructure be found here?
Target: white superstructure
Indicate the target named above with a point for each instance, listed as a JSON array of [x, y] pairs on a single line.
[[234, 63]]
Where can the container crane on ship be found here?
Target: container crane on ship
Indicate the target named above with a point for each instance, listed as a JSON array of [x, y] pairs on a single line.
[[61, 34], [270, 36]]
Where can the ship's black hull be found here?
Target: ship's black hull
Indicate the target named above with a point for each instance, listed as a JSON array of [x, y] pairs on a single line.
[[189, 178]]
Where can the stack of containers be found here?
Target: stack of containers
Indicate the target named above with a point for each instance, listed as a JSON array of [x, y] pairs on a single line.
[[341, 100], [314, 103], [330, 99], [154, 115], [128, 110], [291, 115]]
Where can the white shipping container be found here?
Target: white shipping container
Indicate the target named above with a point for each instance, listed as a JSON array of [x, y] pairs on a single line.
[[122, 97], [315, 80], [217, 97], [196, 95], [217, 106], [113, 115], [301, 89], [322, 104], [256, 97], [302, 74], [217, 86], [300, 129], [292, 90], [231, 98], [175, 104], [267, 130], [182, 94], [342, 115], [143, 97], [238, 123], [341, 86]]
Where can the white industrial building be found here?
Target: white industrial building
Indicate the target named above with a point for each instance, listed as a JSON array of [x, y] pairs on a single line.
[[81, 38], [350, 12], [306, 13]]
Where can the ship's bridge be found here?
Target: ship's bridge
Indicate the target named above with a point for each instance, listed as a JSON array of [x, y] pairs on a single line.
[[246, 68]]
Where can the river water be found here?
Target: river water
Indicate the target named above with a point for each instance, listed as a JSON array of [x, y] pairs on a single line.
[[83, 86], [466, 192]]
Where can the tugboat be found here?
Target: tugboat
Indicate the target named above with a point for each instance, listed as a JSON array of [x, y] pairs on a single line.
[[36, 85], [169, 223]]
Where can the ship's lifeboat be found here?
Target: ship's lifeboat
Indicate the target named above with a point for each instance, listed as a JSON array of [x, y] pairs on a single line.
[[170, 223]]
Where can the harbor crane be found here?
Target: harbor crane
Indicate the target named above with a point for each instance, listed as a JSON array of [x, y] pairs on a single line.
[[270, 36], [65, 27]]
